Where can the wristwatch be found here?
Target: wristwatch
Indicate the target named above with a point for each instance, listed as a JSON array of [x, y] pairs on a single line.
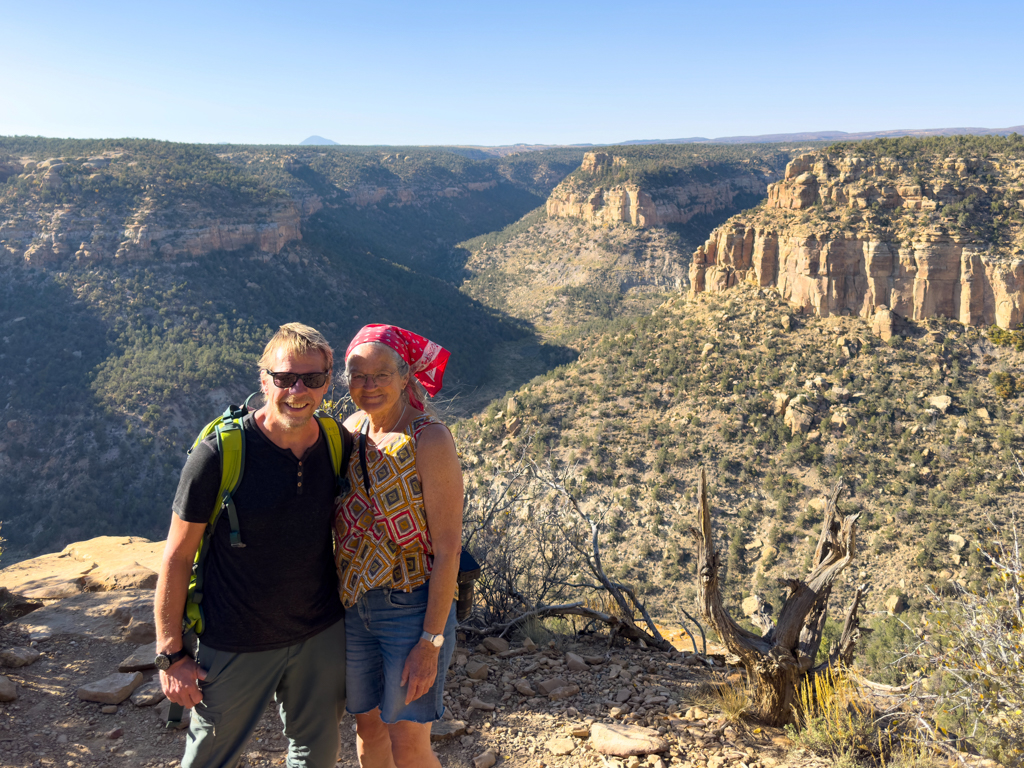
[[163, 661], [435, 640]]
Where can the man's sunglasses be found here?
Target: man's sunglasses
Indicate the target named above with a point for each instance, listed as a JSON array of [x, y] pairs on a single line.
[[287, 380]]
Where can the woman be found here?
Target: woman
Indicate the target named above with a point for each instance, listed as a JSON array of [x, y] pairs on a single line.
[[398, 537]]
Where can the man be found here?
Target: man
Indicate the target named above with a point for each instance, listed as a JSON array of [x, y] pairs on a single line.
[[273, 625]]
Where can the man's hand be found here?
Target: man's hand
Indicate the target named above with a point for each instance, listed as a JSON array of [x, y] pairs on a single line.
[[420, 670], [180, 682]]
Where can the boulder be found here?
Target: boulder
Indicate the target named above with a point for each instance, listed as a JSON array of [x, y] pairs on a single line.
[[575, 663], [895, 604], [140, 659], [750, 605], [799, 415], [524, 688], [547, 686], [112, 689], [620, 740], [496, 644], [8, 689], [956, 542], [560, 745], [941, 403], [149, 694], [14, 606], [19, 657], [445, 730], [885, 324], [565, 692], [485, 760], [139, 631], [477, 670]]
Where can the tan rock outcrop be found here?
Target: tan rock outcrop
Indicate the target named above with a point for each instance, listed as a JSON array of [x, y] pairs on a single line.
[[628, 203], [848, 275], [902, 261], [281, 226]]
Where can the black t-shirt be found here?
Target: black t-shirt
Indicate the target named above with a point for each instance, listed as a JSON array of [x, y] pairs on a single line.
[[282, 587]]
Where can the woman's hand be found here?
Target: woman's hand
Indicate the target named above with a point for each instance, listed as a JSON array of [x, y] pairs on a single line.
[[420, 670]]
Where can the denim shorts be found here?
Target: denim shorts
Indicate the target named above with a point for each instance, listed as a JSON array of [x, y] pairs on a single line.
[[381, 629]]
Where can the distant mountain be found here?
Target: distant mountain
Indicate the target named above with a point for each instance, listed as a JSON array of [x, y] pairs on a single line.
[[834, 136], [318, 141]]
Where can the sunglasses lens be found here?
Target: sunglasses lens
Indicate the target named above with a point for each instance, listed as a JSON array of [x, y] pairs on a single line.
[[314, 380], [284, 380]]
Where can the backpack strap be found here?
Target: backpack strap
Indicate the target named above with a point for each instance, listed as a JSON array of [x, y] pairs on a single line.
[[339, 443]]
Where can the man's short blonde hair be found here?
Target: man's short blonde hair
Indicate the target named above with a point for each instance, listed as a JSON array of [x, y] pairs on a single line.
[[298, 339]]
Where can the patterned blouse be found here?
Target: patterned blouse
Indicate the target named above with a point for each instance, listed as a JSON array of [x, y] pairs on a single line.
[[382, 540]]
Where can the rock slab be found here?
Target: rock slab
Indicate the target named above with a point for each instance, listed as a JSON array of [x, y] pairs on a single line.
[[619, 740], [444, 730], [562, 745], [112, 689], [142, 658], [149, 694], [8, 689], [92, 615], [19, 657]]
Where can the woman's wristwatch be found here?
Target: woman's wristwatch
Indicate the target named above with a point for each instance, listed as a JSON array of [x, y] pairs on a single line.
[[435, 640]]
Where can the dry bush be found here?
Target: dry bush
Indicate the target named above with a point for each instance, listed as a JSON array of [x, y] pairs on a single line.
[[974, 649]]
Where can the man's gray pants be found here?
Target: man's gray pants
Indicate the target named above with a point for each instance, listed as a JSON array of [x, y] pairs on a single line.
[[307, 680]]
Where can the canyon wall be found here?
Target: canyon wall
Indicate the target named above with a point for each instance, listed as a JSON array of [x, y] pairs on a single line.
[[901, 257], [629, 203]]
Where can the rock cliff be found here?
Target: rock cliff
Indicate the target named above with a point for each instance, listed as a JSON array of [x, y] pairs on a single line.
[[843, 233], [594, 194], [165, 221]]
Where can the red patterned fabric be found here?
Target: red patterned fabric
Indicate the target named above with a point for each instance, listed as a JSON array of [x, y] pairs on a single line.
[[426, 359]]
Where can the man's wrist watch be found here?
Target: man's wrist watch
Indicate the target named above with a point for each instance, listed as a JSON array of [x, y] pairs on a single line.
[[163, 661], [435, 640]]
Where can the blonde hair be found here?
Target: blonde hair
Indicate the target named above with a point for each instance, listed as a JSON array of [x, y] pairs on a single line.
[[298, 339]]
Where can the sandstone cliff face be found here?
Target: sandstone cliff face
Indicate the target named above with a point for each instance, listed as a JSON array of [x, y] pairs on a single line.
[[269, 236], [94, 231], [912, 265], [629, 203]]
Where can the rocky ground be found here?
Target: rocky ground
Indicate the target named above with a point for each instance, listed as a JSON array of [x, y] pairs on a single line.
[[527, 706], [77, 687]]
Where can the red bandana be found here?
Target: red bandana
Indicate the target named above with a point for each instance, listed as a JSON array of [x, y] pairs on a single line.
[[426, 359]]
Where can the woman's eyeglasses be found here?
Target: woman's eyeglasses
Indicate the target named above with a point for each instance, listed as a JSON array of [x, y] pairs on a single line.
[[362, 379], [286, 380]]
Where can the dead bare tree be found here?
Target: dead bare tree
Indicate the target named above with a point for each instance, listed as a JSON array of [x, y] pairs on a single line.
[[590, 554], [541, 553], [785, 653]]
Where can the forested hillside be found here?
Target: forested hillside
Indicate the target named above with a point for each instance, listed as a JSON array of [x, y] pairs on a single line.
[[140, 279]]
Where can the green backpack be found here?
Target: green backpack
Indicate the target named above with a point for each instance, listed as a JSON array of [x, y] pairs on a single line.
[[231, 447]]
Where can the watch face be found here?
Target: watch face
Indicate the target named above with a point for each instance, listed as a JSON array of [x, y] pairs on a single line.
[[162, 662]]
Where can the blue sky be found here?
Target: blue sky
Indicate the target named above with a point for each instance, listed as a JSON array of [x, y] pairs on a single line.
[[489, 73]]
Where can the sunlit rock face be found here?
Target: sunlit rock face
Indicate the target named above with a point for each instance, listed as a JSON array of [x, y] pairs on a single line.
[[831, 260], [610, 203]]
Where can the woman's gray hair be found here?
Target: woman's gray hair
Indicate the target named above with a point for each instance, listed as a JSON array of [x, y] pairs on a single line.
[[402, 368]]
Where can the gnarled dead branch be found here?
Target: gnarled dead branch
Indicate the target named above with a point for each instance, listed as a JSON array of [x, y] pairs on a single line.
[[778, 659]]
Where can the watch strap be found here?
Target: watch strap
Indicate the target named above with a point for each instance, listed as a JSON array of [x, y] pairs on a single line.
[[435, 640], [172, 658]]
